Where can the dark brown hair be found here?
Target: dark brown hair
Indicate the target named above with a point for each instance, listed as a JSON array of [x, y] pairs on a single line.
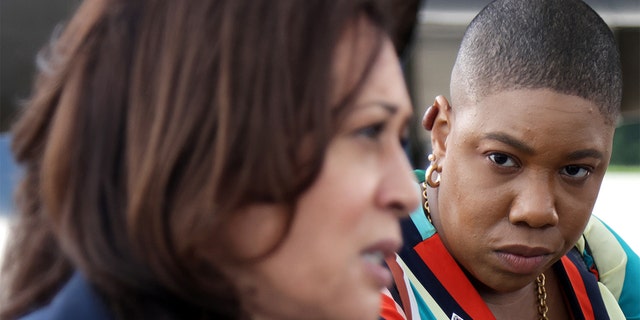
[[151, 122]]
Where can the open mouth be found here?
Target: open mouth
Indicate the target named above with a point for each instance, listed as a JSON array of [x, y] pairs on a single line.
[[373, 260]]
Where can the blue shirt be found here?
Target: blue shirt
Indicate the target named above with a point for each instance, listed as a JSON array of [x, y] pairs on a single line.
[[76, 300]]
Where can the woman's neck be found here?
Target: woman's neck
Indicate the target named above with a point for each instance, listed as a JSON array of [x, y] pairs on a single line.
[[522, 302]]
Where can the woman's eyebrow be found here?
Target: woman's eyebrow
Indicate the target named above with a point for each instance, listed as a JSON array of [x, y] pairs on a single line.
[[387, 106], [510, 140], [586, 153], [523, 147]]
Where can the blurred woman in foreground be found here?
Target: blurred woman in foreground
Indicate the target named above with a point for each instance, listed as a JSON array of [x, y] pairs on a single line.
[[204, 160]]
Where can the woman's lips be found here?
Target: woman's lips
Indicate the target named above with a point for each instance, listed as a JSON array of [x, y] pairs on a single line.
[[375, 270], [373, 260], [523, 259]]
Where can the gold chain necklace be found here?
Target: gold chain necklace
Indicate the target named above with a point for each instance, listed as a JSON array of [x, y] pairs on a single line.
[[425, 206], [542, 297], [540, 280]]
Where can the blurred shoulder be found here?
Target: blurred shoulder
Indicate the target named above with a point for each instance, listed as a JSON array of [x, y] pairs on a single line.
[[75, 301]]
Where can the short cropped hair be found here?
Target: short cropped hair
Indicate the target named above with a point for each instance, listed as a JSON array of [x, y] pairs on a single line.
[[530, 44]]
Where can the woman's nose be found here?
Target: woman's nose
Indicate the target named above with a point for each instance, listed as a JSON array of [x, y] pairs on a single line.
[[534, 204], [399, 190]]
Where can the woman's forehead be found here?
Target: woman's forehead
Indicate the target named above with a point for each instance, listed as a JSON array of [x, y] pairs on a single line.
[[539, 115]]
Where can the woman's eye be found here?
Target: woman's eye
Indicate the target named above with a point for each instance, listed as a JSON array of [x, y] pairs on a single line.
[[372, 131], [502, 160], [575, 171], [404, 141]]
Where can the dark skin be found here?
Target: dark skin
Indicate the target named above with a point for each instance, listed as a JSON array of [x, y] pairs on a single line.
[[555, 297], [431, 114]]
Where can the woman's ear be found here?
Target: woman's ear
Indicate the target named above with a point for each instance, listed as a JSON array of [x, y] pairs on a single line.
[[429, 117], [438, 120]]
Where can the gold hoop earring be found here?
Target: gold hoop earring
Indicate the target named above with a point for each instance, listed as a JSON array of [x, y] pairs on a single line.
[[428, 177]]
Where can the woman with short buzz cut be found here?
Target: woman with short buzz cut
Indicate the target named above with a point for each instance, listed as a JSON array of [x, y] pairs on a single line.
[[519, 153]]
